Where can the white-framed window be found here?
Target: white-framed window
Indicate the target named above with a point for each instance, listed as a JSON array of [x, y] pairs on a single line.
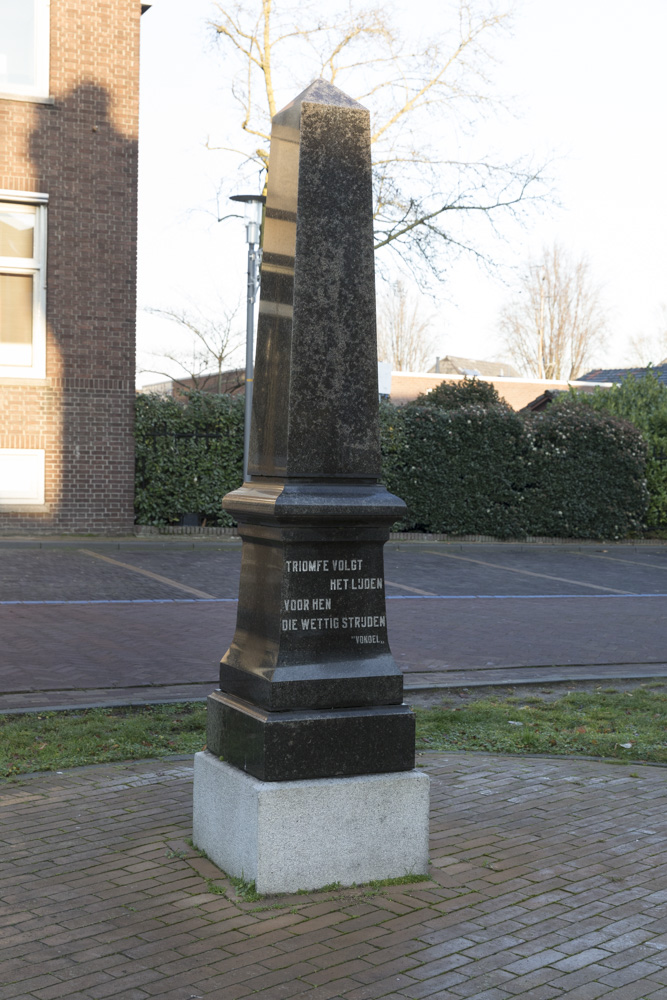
[[24, 47], [21, 476], [22, 284]]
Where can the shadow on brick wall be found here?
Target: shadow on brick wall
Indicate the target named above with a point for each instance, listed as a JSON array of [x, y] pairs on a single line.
[[88, 166]]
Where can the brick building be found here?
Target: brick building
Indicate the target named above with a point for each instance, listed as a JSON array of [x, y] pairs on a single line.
[[69, 108]]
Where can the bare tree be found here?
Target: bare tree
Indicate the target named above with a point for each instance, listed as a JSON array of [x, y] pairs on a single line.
[[420, 98], [650, 348], [403, 333], [213, 341], [557, 321]]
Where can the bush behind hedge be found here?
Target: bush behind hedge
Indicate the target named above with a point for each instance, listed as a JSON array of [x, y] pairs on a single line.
[[468, 391]]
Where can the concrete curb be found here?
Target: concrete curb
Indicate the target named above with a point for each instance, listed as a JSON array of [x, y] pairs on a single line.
[[416, 685]]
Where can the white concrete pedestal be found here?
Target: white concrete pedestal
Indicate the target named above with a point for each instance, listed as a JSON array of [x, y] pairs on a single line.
[[289, 835]]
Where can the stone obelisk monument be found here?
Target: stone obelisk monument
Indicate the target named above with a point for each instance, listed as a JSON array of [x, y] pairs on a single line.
[[308, 777]]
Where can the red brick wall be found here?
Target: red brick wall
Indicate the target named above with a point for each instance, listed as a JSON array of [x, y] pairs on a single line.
[[82, 151], [406, 386]]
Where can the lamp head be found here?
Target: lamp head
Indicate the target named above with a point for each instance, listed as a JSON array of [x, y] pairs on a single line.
[[252, 204]]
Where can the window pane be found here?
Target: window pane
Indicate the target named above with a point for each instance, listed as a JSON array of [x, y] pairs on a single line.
[[16, 319], [17, 43], [21, 475], [17, 230]]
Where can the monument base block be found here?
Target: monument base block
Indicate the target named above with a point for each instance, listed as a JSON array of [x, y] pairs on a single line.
[[292, 835], [295, 746]]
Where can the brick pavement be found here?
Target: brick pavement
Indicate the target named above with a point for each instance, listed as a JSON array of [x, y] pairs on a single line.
[[50, 651], [66, 570], [78, 654], [549, 880]]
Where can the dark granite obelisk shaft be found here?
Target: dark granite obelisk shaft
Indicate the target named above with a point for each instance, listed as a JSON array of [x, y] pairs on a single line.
[[308, 687], [316, 411]]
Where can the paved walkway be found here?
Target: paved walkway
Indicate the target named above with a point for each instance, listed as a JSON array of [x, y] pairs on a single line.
[[549, 880], [91, 622]]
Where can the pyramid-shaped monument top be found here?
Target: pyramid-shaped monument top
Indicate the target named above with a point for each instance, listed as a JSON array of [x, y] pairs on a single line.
[[317, 92]]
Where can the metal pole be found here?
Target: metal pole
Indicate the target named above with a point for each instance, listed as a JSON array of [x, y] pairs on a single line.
[[252, 202], [253, 262], [541, 340]]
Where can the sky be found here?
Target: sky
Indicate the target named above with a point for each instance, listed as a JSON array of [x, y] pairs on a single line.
[[586, 81]]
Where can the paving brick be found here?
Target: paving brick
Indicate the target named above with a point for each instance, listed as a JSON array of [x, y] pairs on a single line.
[[570, 980], [495, 946], [630, 974], [589, 991], [331, 991], [652, 951], [337, 956], [134, 980], [636, 991], [440, 965], [27, 984], [351, 968], [520, 985], [66, 989], [532, 946], [492, 994], [545, 992], [377, 934], [490, 947], [580, 959], [548, 957], [488, 980], [624, 942], [438, 986]]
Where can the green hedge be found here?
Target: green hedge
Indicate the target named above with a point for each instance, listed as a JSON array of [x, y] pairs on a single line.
[[569, 472], [642, 401], [460, 471], [490, 471], [187, 456], [588, 475]]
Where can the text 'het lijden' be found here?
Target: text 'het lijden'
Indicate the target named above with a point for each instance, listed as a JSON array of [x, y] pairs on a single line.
[[339, 584]]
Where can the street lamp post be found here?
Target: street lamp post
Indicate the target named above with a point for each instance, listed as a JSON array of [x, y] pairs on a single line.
[[542, 277], [541, 344], [253, 213]]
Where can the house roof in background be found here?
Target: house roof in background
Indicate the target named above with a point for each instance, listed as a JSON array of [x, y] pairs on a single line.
[[518, 392], [231, 382], [449, 365], [618, 374], [540, 403]]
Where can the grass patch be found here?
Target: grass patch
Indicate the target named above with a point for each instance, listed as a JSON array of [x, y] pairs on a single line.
[[626, 725], [408, 879], [596, 723], [217, 890], [245, 890], [52, 741], [290, 907]]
